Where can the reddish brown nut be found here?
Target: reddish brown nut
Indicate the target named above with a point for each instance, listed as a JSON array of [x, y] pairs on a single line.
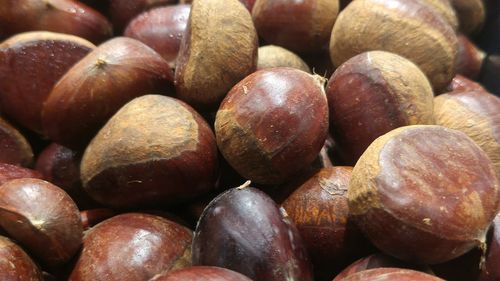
[[155, 150], [218, 49], [403, 27], [274, 56], [15, 264], [463, 84], [123, 11], [299, 26], [43, 218], [63, 16], [319, 210], [471, 14], [391, 274], [272, 124], [373, 93], [469, 58], [202, 273], [14, 148], [424, 194], [40, 58], [98, 85], [244, 230], [491, 270], [161, 29], [10, 172], [132, 247], [477, 114], [95, 216]]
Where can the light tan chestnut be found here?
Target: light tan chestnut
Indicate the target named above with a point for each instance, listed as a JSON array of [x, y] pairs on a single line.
[[218, 49], [276, 56]]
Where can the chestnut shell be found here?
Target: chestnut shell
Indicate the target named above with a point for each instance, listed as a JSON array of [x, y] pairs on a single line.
[[202, 273], [15, 264]]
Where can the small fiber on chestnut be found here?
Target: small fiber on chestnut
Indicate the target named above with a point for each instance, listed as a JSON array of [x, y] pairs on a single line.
[[14, 148], [275, 56], [15, 264], [202, 273]]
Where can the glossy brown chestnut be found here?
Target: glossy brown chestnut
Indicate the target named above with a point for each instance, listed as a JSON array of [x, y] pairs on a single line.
[[274, 56], [491, 270], [244, 230], [161, 29], [40, 58], [471, 14], [14, 148], [272, 124], [218, 49], [319, 210], [123, 11], [403, 27], [155, 150], [43, 218], [10, 172], [94, 216], [475, 113], [469, 58], [132, 247], [391, 274], [62, 16], [15, 264], [424, 194], [202, 273], [373, 93], [98, 85], [463, 84]]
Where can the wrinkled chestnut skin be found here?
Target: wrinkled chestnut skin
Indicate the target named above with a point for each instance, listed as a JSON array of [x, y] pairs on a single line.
[[390, 274], [15, 264], [491, 270], [98, 85], [244, 230], [202, 273], [62, 16], [41, 58], [132, 247], [94, 216], [10, 172], [429, 182], [469, 58], [161, 29], [123, 11], [377, 261], [463, 84], [14, 148], [43, 218], [319, 210], [272, 124]]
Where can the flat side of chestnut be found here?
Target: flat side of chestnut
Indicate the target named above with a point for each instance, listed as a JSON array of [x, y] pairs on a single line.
[[10, 172], [406, 28], [132, 247], [49, 225], [15, 264], [202, 273], [131, 161], [98, 85], [403, 184], [276, 56], [219, 48], [391, 274], [31, 64], [15, 148]]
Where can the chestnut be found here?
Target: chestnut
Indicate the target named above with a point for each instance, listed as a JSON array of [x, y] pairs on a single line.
[[98, 85], [202, 273], [244, 230], [469, 58], [43, 218], [15, 264], [219, 48], [132, 247], [94, 216], [407, 28], [154, 150], [373, 93], [122, 11], [14, 148], [471, 14], [490, 270], [248, 3], [475, 113], [272, 124], [10, 172], [444, 9], [161, 29], [463, 84], [274, 56], [62, 16], [391, 274], [40, 58], [424, 194]]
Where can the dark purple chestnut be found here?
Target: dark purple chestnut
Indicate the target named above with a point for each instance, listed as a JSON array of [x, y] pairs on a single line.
[[272, 124], [98, 85], [491, 270], [390, 274], [424, 194], [62, 16], [244, 230], [154, 150], [123, 11], [14, 148], [15, 264], [41, 58], [469, 58], [201, 273], [463, 84], [161, 29], [132, 247], [10, 172], [43, 218]]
